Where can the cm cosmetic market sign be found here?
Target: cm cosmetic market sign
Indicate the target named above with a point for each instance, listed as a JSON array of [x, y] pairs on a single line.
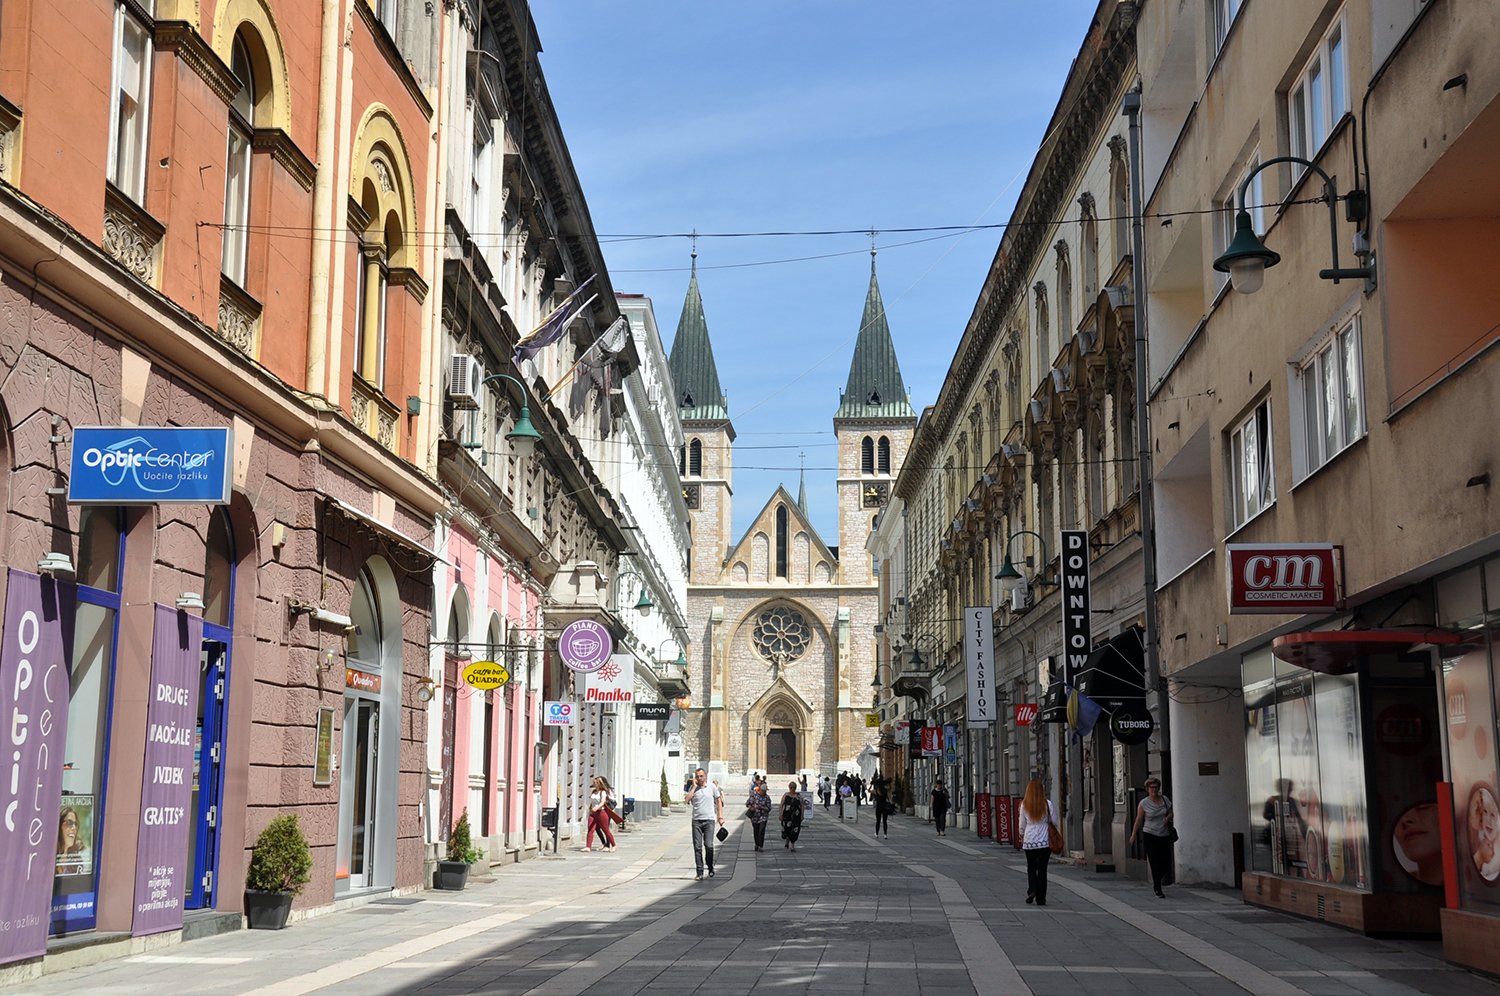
[[150, 465]]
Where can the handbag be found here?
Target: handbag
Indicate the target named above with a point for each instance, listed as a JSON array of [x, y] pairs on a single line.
[[1172, 832], [1054, 838], [722, 835]]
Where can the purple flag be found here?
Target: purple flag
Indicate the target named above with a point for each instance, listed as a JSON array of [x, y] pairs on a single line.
[[167, 782], [554, 324], [34, 690]]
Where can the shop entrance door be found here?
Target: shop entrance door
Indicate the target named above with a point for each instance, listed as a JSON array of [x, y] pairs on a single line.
[[208, 769], [357, 790]]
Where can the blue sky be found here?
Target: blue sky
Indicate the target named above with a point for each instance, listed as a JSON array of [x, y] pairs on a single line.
[[730, 116]]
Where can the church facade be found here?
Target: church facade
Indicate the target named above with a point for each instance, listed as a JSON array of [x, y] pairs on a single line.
[[781, 623]]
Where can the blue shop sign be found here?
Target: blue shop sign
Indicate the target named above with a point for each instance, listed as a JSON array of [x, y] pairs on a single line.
[[146, 465]]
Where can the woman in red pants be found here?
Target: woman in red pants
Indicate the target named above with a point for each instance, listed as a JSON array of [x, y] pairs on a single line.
[[599, 816]]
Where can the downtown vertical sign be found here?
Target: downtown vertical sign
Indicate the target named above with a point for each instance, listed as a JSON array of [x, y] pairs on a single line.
[[979, 662], [1077, 621]]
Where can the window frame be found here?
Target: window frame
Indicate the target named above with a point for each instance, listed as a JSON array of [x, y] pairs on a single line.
[[1225, 13], [1318, 97], [1244, 507], [139, 14], [234, 256], [1228, 207], [1322, 438]]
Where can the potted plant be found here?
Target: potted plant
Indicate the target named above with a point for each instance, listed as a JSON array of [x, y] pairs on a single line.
[[666, 795], [453, 874], [280, 865]]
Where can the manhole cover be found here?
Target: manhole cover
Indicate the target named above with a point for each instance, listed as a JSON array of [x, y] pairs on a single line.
[[820, 931]]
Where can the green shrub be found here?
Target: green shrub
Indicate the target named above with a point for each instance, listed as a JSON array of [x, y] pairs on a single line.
[[460, 845], [666, 795], [280, 860]]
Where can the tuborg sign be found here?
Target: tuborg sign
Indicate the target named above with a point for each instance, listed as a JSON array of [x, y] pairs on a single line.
[[145, 465], [1284, 578]]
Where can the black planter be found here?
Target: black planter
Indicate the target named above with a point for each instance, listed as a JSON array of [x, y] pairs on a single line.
[[267, 910], [452, 875]]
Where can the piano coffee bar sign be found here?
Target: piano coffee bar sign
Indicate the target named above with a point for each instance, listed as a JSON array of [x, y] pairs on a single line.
[[149, 465], [1284, 578]]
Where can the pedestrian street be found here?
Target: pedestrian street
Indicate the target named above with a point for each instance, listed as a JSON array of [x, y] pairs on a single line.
[[844, 914]]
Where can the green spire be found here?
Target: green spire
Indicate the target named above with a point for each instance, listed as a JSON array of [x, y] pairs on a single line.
[[875, 389], [692, 361]]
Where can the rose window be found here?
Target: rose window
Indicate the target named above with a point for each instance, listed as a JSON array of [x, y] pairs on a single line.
[[781, 635]]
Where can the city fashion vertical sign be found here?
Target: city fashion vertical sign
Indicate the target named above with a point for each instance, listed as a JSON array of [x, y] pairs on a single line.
[[34, 692], [1077, 623], [166, 783], [979, 661]]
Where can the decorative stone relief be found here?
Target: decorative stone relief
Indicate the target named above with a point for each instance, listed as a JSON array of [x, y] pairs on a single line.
[[781, 635], [387, 430], [236, 325], [129, 245], [383, 175], [359, 408]]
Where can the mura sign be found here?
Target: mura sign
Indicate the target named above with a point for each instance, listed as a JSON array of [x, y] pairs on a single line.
[[1284, 578], [150, 465]]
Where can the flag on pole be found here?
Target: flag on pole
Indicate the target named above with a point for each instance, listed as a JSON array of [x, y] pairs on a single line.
[[554, 324]]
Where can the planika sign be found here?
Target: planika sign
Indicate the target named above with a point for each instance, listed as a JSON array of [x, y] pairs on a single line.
[[486, 675]]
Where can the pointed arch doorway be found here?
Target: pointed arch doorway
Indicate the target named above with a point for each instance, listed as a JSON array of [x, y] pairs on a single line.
[[781, 748]]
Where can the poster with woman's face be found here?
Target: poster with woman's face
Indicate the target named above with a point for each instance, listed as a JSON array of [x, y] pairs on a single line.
[[1476, 804], [75, 835]]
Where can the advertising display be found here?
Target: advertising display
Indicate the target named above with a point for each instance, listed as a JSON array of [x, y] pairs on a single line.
[[1003, 823], [983, 815], [1476, 796], [33, 702], [148, 465], [653, 710], [614, 682], [486, 675], [1025, 713], [1077, 620], [171, 718], [1404, 741], [557, 714], [979, 663], [932, 741], [585, 645], [950, 745], [1278, 578]]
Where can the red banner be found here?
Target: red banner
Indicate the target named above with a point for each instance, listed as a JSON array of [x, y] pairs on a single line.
[[932, 740], [1025, 713], [982, 813], [1002, 819]]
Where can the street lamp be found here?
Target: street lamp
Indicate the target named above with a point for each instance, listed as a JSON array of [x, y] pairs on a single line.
[[1247, 257], [681, 660], [916, 662], [523, 437], [643, 605], [1009, 577]]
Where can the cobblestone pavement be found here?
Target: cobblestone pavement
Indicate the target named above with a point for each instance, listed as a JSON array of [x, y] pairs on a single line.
[[844, 914]]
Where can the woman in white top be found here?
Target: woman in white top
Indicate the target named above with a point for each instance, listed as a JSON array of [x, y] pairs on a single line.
[[1154, 818], [1036, 819], [599, 816]]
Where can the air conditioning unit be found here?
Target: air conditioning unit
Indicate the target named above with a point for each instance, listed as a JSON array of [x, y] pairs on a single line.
[[1020, 599], [465, 377]]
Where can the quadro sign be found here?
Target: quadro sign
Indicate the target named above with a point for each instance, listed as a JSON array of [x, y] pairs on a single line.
[[557, 714], [979, 662], [614, 682], [148, 465], [1284, 578], [585, 645]]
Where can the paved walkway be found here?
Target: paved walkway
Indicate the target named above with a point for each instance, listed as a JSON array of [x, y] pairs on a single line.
[[915, 914]]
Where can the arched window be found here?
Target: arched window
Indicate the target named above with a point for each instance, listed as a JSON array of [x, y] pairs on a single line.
[[1064, 295], [885, 454], [781, 541], [695, 458], [218, 571], [386, 257], [1119, 198], [1043, 346], [237, 168], [458, 622], [867, 455], [1088, 249], [682, 460]]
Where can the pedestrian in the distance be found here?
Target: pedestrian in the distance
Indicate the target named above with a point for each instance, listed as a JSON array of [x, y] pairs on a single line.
[[758, 806], [599, 816], [1037, 819], [826, 787], [611, 803], [1153, 817], [802, 779], [940, 806], [791, 816], [880, 794], [707, 804]]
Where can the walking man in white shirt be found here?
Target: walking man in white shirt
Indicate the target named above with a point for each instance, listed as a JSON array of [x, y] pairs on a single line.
[[707, 804]]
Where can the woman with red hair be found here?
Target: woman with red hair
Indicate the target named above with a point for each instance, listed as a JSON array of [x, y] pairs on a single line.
[[1037, 820]]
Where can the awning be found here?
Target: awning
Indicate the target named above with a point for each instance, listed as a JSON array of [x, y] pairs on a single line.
[[389, 532], [1338, 651], [1115, 671]]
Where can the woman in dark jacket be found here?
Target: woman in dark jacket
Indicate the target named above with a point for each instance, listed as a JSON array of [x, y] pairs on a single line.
[[791, 816], [940, 807], [759, 808]]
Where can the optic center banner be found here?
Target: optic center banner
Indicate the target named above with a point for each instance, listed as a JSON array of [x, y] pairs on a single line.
[[167, 781], [34, 692]]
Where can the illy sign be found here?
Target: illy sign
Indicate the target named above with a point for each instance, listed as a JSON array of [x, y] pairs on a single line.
[[1282, 578]]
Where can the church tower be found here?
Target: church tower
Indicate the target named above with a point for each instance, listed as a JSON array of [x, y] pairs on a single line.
[[706, 460], [874, 425]]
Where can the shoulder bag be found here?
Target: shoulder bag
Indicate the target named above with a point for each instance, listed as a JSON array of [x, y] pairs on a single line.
[[1054, 838]]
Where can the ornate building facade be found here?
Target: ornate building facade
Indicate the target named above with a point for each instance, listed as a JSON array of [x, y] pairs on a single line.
[[781, 623]]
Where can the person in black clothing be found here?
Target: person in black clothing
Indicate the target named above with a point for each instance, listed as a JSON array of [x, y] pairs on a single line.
[[880, 794], [791, 816], [940, 807]]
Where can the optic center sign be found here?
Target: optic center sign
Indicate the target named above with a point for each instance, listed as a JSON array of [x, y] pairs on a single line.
[[1284, 578], [585, 645], [146, 465]]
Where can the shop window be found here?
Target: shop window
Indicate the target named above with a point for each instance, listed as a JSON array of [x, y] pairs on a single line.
[[131, 86], [237, 168], [1252, 469], [1332, 396], [1320, 95], [81, 813]]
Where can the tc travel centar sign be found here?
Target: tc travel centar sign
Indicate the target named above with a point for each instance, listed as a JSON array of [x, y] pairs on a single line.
[[149, 465], [1284, 578]]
